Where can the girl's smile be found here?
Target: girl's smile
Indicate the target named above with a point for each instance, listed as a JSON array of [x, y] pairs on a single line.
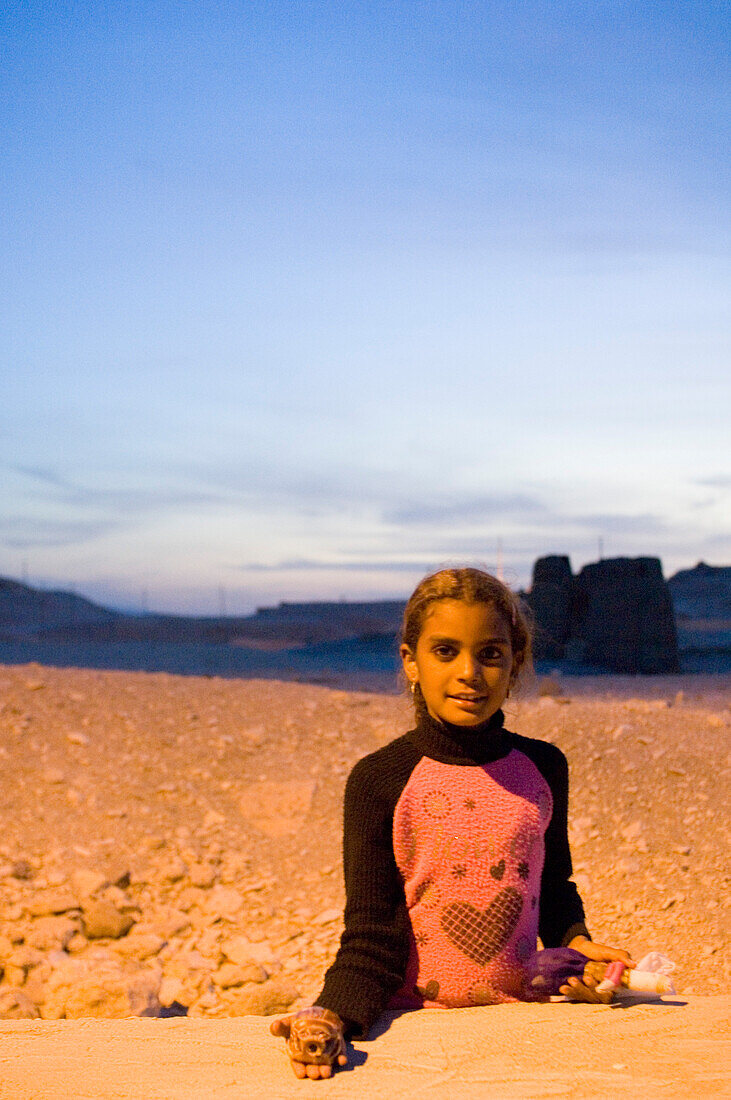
[[463, 661]]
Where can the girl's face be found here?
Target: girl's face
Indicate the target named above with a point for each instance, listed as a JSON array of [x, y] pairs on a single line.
[[463, 661]]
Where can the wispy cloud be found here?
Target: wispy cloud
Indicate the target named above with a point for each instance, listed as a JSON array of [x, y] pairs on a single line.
[[373, 525], [718, 543], [315, 565], [41, 474], [616, 523], [22, 533], [114, 500], [719, 481], [469, 510]]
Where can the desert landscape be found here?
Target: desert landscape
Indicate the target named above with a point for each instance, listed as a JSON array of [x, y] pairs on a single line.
[[171, 845]]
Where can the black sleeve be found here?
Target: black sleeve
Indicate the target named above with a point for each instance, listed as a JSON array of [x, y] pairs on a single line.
[[371, 961], [561, 911]]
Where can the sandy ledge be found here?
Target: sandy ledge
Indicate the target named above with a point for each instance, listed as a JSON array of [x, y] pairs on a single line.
[[677, 1048]]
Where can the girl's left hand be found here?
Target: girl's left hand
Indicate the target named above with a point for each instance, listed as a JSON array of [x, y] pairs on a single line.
[[584, 990]]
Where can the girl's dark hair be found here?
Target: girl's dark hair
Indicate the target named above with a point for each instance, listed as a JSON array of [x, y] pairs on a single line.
[[472, 586]]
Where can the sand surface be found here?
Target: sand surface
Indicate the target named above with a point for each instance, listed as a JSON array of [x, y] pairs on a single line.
[[676, 1049], [205, 815]]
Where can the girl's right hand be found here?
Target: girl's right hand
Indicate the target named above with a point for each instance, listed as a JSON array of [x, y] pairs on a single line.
[[315, 1041]]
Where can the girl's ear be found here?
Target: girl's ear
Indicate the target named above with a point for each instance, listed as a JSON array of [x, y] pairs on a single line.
[[408, 660]]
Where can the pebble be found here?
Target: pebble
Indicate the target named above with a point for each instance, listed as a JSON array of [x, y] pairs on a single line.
[[224, 902], [140, 946], [44, 902], [172, 990], [101, 920], [173, 871], [52, 933], [202, 875], [213, 819], [17, 1005], [266, 999], [87, 882], [168, 923], [101, 987], [230, 975], [328, 916], [241, 950]]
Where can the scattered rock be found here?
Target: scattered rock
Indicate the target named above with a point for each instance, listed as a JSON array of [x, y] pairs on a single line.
[[102, 920], [174, 991], [202, 875], [174, 870], [140, 945], [54, 776], [86, 882], [230, 975], [327, 916], [264, 1000], [24, 958], [120, 876], [167, 923], [101, 987], [242, 951], [212, 819], [632, 831], [52, 933], [278, 809], [51, 901], [224, 902], [17, 1005], [22, 869]]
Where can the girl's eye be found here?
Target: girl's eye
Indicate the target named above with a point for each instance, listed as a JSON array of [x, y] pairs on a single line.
[[444, 651], [491, 654]]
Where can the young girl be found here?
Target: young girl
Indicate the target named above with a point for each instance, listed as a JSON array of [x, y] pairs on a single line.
[[456, 852]]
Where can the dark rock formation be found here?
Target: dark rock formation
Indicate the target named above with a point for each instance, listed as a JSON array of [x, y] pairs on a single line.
[[616, 614], [550, 602], [622, 616]]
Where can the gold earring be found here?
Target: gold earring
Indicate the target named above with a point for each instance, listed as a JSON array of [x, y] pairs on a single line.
[[412, 686]]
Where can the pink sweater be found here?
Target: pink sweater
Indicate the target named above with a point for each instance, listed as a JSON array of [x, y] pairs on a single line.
[[468, 843]]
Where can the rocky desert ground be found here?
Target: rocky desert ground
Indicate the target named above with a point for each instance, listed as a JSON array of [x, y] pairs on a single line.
[[171, 845]]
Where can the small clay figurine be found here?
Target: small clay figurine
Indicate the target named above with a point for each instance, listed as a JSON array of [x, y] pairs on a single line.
[[314, 1036], [548, 970]]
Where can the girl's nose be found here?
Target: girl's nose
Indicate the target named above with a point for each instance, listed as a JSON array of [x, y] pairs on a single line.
[[467, 668]]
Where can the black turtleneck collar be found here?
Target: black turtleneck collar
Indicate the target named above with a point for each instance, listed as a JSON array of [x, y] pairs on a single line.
[[462, 744]]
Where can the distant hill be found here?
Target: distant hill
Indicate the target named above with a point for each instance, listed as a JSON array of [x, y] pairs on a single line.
[[703, 592], [56, 616], [701, 600], [26, 611]]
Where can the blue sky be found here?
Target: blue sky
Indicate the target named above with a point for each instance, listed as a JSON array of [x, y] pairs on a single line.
[[303, 299]]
